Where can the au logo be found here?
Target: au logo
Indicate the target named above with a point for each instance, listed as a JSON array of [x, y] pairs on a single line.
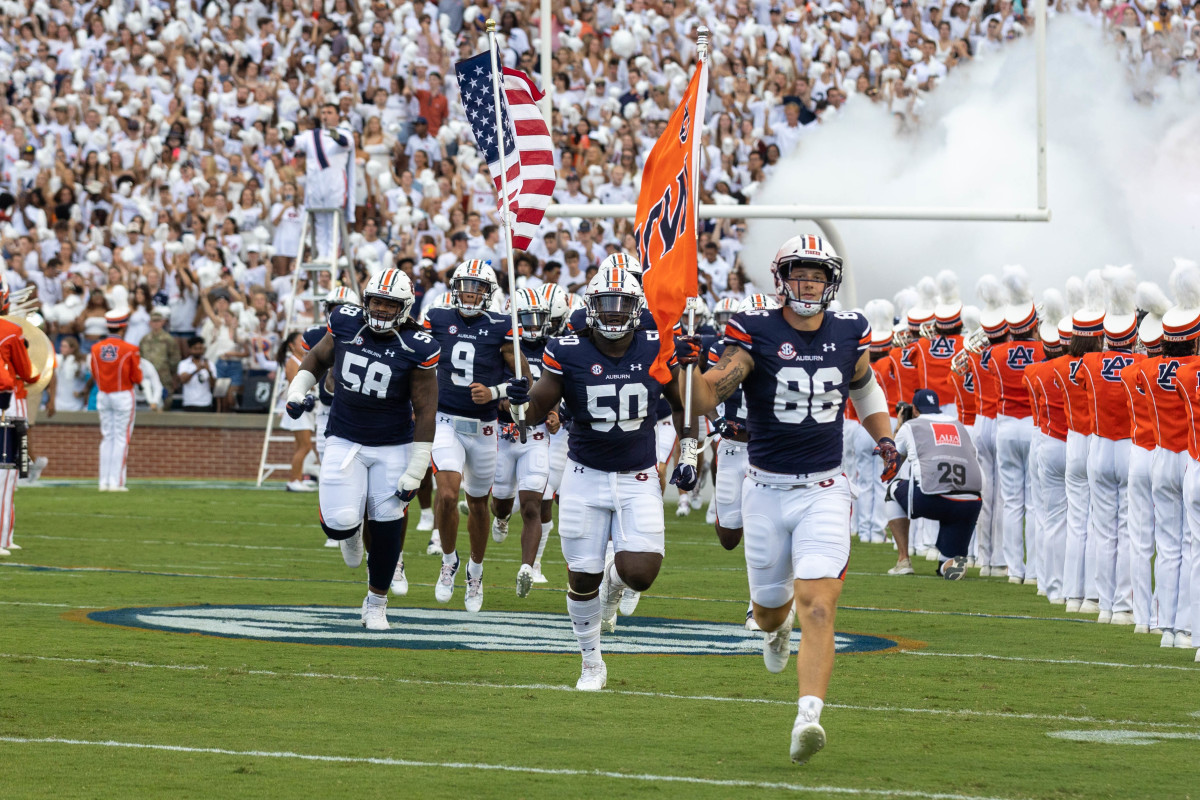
[[446, 629]]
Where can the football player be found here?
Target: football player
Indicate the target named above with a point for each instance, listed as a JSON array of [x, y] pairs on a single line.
[[796, 366], [522, 468], [610, 490], [478, 345], [732, 461], [381, 425]]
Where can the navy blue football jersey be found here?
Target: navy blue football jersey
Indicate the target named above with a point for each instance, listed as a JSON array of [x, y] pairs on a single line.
[[372, 404], [796, 394], [734, 407], [611, 401], [533, 354], [311, 338], [472, 355]]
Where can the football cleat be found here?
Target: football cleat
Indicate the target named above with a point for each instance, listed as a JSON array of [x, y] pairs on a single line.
[[474, 599], [292, 486], [710, 514], [400, 580], [374, 613], [751, 622], [524, 580], [902, 568], [463, 508], [352, 549], [426, 521], [1121, 618], [499, 530], [684, 508], [807, 740], [331, 542], [538, 577], [593, 678], [434, 548], [954, 569], [777, 646], [443, 590], [629, 601]]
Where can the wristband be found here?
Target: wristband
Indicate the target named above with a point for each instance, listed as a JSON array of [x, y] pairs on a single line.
[[499, 391]]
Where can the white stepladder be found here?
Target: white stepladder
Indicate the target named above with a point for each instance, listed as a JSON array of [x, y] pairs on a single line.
[[312, 269]]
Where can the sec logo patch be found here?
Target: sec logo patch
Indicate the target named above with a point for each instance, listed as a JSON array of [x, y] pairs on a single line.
[[597, 369], [787, 351]]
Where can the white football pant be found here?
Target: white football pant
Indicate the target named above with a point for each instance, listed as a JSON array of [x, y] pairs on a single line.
[[357, 480], [472, 455], [1077, 516], [596, 506], [732, 462], [116, 425]]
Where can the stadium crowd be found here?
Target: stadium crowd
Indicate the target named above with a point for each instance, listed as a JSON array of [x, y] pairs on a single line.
[[144, 164]]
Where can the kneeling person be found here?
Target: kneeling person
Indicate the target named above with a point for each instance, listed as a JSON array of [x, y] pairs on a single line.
[[381, 425], [939, 480]]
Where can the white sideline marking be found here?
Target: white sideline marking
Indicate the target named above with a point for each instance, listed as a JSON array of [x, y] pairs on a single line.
[[591, 773], [1051, 660], [47, 605], [1120, 737], [546, 687]]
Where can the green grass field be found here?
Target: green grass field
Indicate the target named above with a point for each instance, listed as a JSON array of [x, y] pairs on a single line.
[[992, 693]]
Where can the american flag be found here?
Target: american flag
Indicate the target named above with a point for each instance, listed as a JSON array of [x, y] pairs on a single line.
[[528, 154]]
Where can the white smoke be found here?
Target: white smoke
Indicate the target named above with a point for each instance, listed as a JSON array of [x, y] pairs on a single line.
[[1123, 176]]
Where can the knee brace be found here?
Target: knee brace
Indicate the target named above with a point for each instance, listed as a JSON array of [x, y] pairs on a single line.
[[336, 533]]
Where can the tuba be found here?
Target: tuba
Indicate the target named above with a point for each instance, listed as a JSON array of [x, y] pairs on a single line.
[[929, 330], [901, 337], [41, 353]]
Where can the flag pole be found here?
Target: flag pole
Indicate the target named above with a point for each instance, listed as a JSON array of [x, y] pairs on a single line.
[[701, 61], [505, 213]]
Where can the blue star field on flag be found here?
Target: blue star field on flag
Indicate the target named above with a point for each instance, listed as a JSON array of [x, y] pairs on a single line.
[[478, 99]]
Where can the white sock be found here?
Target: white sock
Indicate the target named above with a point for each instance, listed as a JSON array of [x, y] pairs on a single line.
[[585, 619], [810, 707], [474, 570], [376, 599], [787, 621], [610, 551], [614, 579], [546, 528], [450, 558]]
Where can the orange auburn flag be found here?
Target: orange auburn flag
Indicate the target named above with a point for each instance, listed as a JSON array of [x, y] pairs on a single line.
[[666, 224]]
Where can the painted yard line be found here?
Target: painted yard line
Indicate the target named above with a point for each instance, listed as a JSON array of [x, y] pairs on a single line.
[[1070, 661], [585, 773], [117, 570], [159, 518], [46, 605], [546, 687]]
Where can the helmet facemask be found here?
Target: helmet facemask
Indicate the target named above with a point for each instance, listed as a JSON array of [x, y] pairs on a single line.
[[481, 289], [381, 321], [613, 314], [533, 322], [807, 308]]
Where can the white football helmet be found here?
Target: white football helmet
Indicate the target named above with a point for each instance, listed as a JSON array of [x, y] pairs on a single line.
[[558, 305], [614, 303], [726, 307], [623, 261], [476, 278], [703, 316], [340, 296], [758, 302], [391, 284], [806, 251], [533, 315]]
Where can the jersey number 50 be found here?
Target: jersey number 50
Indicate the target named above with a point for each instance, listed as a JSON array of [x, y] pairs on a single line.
[[799, 395], [375, 379], [632, 404]]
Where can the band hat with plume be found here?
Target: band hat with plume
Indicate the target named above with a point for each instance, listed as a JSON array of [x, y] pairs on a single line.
[[927, 298], [994, 297], [880, 314], [1089, 320], [1053, 309], [948, 312], [1153, 300], [903, 300], [1120, 322], [1182, 321], [1020, 315]]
